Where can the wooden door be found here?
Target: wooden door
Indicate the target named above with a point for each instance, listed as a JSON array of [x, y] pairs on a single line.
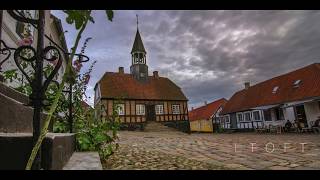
[[233, 121], [151, 113]]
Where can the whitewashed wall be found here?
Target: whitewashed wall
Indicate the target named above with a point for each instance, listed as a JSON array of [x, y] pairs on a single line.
[[11, 38], [312, 111], [289, 114]]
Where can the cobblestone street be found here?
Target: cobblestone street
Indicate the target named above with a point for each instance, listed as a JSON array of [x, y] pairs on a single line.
[[176, 150]]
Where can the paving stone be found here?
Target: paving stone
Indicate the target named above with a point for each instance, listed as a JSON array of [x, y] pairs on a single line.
[[234, 166], [314, 165], [283, 163], [207, 151], [279, 168], [294, 165]]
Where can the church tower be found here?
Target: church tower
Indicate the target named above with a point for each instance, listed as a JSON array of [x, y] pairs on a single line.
[[139, 68]]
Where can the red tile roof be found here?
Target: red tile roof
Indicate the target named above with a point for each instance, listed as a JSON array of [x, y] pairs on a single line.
[[261, 93], [121, 85], [205, 112], [85, 105]]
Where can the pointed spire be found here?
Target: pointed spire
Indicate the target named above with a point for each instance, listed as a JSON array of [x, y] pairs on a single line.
[[137, 21], [138, 44]]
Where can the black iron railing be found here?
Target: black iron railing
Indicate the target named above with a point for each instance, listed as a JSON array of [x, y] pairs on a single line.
[[38, 82]]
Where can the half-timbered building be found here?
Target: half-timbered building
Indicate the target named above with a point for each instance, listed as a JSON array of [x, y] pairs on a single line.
[[140, 97], [204, 118], [294, 96]]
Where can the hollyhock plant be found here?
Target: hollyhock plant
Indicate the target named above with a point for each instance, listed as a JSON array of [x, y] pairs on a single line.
[[27, 41], [55, 61], [86, 78], [77, 65]]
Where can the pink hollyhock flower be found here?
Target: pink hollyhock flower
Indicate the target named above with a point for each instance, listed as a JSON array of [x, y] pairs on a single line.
[[54, 62], [26, 41], [77, 65]]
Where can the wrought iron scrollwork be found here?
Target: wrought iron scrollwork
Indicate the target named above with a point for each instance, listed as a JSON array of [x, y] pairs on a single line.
[[19, 56], [56, 67], [20, 17], [82, 58], [35, 57], [4, 51]]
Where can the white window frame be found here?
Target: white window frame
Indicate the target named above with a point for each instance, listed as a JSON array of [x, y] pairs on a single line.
[[275, 114], [175, 108], [26, 26], [242, 115], [259, 115], [275, 89], [227, 119], [121, 109], [159, 109], [297, 83], [140, 109]]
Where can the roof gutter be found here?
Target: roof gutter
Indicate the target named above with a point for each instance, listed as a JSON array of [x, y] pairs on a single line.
[[105, 98], [282, 105]]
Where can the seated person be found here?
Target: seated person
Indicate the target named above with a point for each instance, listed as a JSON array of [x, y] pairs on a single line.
[[317, 122], [287, 126], [316, 125]]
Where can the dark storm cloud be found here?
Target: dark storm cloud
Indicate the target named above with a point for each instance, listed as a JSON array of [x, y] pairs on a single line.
[[209, 54]]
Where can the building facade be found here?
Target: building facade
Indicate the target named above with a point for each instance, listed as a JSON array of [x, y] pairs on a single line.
[[294, 96], [203, 119], [12, 32], [140, 97]]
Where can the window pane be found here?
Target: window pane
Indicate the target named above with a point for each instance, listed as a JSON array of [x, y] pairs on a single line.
[[159, 109], [121, 109], [140, 109], [247, 116], [175, 109], [279, 113], [240, 117], [227, 119], [256, 115], [267, 115]]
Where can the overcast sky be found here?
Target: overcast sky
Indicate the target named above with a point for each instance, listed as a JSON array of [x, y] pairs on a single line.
[[209, 54]]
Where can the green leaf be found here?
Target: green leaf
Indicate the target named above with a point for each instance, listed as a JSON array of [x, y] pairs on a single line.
[[69, 20], [109, 14]]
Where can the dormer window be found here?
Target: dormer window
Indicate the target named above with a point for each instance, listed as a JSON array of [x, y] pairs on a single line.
[[275, 89], [296, 83]]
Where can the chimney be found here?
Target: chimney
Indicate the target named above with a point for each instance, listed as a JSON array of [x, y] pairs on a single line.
[[192, 108], [155, 74], [205, 103], [246, 85], [121, 70]]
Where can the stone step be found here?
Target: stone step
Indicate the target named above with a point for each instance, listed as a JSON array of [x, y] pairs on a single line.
[[15, 149], [157, 127], [84, 161], [16, 117]]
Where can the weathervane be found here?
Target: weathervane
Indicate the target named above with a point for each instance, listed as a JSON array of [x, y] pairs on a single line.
[[137, 21]]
